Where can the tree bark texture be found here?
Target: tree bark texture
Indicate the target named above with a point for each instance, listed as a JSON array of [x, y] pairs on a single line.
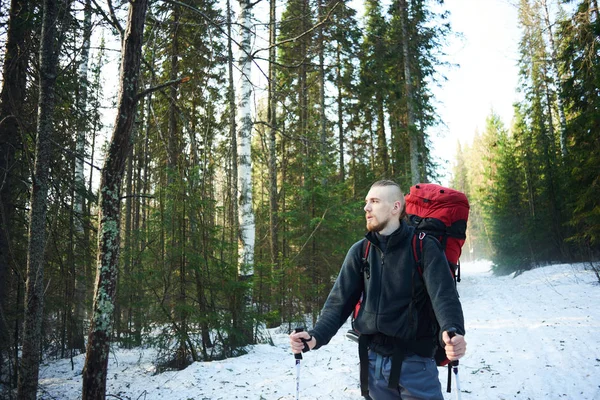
[[557, 81], [34, 295], [78, 312], [412, 133], [244, 141], [96, 362], [272, 118], [14, 75]]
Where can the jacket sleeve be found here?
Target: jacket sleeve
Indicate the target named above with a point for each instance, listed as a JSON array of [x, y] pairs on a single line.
[[342, 299], [441, 288]]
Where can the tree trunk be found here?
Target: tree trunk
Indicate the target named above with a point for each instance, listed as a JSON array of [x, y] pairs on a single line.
[[96, 362], [34, 296], [557, 81], [14, 75], [78, 313], [412, 132], [322, 114], [382, 145], [272, 118], [340, 112], [244, 166], [126, 303], [244, 133]]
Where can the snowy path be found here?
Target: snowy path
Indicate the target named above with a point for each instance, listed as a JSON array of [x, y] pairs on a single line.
[[532, 337]]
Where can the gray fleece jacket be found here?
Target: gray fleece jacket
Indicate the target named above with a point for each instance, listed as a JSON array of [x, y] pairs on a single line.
[[398, 300]]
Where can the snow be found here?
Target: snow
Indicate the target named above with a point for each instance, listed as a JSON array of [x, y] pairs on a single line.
[[531, 336]]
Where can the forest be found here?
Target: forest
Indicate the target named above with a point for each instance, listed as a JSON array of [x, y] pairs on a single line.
[[212, 206]]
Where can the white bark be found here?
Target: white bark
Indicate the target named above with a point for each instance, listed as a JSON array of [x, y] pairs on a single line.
[[81, 108], [244, 141], [557, 81]]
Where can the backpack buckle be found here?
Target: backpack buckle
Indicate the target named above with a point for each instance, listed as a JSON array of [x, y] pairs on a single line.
[[422, 235]]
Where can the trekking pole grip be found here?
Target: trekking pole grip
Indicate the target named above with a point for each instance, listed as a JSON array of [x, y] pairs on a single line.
[[298, 356], [451, 334]]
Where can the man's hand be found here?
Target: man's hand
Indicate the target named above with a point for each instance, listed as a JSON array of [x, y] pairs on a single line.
[[297, 344], [455, 347]]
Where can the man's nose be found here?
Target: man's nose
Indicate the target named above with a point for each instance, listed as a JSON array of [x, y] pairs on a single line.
[[367, 207]]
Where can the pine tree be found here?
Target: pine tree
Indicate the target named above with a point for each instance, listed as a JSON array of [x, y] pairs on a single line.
[[581, 65]]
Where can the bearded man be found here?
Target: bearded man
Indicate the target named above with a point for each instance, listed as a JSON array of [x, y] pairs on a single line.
[[395, 320]]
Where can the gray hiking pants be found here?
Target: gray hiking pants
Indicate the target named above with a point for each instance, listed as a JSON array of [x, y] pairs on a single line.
[[418, 379]]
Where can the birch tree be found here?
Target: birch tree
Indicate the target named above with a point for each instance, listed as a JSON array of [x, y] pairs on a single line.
[[555, 77], [244, 139], [96, 362], [34, 296]]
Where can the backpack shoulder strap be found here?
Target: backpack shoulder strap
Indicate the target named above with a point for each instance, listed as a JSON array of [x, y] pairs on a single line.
[[365, 259], [417, 247], [367, 246]]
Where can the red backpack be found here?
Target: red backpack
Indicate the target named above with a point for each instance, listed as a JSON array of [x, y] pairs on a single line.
[[442, 213]]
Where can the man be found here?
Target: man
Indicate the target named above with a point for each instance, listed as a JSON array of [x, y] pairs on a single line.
[[395, 319]]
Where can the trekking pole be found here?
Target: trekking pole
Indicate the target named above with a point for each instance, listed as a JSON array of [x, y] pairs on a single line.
[[298, 357], [454, 364]]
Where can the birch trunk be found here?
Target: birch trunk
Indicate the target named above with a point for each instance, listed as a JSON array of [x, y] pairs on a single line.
[[34, 295], [382, 145], [340, 111], [244, 141], [96, 362], [557, 81]]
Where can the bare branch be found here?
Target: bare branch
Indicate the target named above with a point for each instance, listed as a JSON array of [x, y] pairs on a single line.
[[162, 86], [114, 17], [112, 21], [300, 36]]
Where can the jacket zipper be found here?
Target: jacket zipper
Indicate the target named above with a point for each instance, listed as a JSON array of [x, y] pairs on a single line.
[[380, 287]]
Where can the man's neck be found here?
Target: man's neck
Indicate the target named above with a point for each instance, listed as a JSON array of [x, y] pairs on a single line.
[[390, 228]]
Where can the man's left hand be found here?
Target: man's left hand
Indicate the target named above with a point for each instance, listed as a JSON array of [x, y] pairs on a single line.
[[456, 347]]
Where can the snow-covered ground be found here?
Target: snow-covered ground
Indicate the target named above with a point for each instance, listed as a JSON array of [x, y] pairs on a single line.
[[534, 336]]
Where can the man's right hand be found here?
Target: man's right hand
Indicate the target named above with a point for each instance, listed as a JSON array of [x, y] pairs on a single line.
[[297, 344]]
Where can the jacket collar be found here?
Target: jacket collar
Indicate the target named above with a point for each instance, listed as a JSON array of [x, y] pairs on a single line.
[[395, 238]]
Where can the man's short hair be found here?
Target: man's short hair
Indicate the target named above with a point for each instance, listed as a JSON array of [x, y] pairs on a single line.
[[387, 183]]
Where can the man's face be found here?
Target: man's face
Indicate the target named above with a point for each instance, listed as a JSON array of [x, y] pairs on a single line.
[[380, 206]]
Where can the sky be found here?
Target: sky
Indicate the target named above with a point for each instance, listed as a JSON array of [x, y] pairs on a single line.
[[486, 77], [529, 336]]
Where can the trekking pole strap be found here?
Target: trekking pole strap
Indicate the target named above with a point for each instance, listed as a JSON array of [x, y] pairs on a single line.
[[363, 356]]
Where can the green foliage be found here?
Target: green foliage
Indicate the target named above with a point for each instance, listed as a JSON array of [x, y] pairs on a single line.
[[341, 125], [581, 67], [533, 201]]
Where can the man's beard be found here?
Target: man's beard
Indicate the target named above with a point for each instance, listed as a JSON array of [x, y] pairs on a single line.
[[377, 227]]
